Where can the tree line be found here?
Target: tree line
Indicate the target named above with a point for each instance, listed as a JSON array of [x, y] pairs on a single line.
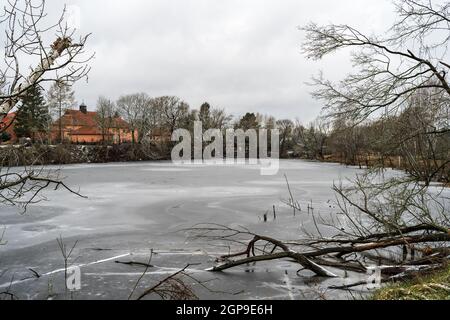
[[414, 138]]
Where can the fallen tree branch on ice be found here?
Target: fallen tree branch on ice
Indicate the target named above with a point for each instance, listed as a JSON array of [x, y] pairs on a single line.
[[286, 253]]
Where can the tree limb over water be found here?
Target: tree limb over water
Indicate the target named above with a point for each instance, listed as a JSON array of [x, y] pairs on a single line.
[[404, 227], [36, 51], [27, 30]]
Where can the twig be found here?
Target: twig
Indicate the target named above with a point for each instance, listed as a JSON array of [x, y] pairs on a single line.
[[147, 266]]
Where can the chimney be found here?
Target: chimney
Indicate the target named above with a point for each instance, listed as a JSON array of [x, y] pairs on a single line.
[[83, 108]]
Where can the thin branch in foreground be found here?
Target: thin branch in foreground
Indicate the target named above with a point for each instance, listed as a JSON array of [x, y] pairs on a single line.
[[147, 266], [172, 288]]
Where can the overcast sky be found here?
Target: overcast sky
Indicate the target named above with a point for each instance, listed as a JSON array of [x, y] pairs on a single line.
[[241, 55]]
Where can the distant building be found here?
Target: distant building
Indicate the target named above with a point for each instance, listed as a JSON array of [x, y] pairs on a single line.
[[83, 126], [78, 126]]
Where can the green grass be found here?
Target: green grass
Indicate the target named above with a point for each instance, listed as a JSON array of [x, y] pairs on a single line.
[[433, 287]]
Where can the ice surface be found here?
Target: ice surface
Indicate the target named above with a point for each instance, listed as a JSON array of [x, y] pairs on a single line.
[[132, 208]]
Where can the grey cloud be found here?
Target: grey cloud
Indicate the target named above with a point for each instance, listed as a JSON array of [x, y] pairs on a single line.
[[239, 55]]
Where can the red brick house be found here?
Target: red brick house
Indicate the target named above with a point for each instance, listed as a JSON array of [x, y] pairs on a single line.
[[83, 126], [79, 126]]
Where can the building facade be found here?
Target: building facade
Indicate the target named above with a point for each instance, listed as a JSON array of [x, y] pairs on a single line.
[[79, 126], [83, 126]]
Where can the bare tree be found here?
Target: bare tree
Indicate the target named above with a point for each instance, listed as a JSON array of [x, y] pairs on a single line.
[[389, 71], [424, 151], [213, 118], [311, 140], [173, 111], [134, 109], [60, 97], [27, 31], [150, 118], [286, 128], [105, 117], [220, 119]]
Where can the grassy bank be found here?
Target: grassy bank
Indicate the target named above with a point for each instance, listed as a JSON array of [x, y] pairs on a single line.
[[432, 287]]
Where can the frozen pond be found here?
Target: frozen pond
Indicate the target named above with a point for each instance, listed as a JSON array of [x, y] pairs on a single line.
[[133, 208]]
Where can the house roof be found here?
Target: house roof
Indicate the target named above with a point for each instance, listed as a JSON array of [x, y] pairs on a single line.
[[78, 118], [89, 121], [86, 131]]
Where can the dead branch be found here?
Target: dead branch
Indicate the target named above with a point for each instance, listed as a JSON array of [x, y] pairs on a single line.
[[25, 28], [24, 188], [11, 296], [286, 253], [392, 218], [172, 288], [147, 266], [316, 260], [133, 263]]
